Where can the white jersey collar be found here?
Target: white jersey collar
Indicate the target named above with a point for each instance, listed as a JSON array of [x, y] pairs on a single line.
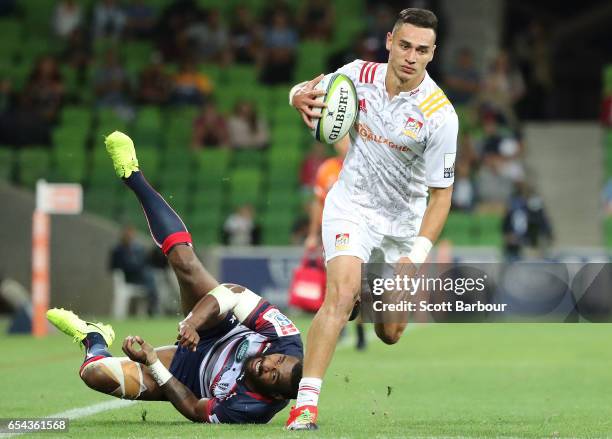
[[415, 92]]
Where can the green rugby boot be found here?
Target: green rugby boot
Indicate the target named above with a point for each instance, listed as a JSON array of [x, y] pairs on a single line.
[[70, 324], [121, 150]]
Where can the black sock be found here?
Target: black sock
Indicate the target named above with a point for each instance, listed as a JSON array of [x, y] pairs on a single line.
[[167, 228], [95, 346], [360, 336]]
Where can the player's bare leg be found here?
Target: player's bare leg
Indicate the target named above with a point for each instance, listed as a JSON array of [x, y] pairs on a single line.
[[124, 378], [119, 376], [194, 280], [167, 229], [391, 325], [343, 286]]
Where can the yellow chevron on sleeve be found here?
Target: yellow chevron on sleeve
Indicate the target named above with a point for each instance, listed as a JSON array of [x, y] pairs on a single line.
[[428, 100], [437, 107], [434, 103]]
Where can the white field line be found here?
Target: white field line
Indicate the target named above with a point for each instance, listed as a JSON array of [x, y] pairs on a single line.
[[82, 412]]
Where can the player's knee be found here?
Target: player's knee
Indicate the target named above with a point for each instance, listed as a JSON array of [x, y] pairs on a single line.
[[97, 379], [117, 376], [389, 334], [184, 262], [340, 300]]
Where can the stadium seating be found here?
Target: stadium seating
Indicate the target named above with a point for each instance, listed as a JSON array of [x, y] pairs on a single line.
[[6, 163], [212, 165], [34, 164], [75, 117], [69, 159], [312, 57], [11, 39], [37, 17], [248, 158], [276, 227], [204, 185], [179, 125], [149, 161], [466, 229], [147, 128], [101, 200], [245, 186], [607, 79], [205, 223]]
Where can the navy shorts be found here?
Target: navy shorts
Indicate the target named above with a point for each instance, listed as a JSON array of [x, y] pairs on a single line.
[[185, 364]]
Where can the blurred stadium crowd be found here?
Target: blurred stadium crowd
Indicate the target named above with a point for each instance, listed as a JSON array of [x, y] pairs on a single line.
[[202, 88]]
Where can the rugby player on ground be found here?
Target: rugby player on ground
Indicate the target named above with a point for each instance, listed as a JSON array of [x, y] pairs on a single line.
[[238, 358], [402, 151]]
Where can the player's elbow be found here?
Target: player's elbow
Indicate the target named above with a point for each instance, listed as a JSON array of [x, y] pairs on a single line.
[[193, 415]]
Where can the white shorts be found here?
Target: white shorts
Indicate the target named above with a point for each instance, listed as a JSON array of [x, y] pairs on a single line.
[[346, 232]]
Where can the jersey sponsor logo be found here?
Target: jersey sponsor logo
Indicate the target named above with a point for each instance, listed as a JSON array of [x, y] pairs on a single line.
[[241, 351], [449, 165], [366, 134], [281, 323], [362, 105], [342, 241], [412, 127]]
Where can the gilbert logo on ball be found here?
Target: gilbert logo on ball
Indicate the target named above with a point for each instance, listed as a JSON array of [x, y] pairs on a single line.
[[341, 111]]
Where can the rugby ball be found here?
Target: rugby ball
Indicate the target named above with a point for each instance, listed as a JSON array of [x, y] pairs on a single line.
[[341, 111]]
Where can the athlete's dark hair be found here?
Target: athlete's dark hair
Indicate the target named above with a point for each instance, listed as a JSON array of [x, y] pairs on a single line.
[[296, 376], [417, 17]]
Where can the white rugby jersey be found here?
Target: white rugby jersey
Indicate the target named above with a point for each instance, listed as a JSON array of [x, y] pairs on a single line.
[[399, 148]]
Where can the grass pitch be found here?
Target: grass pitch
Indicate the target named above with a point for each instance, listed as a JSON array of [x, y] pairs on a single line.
[[485, 380]]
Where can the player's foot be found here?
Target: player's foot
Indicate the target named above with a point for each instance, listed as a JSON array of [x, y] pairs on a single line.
[[302, 418], [70, 324], [121, 150]]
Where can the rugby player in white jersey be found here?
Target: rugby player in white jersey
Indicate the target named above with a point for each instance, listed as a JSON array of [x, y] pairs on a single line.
[[403, 148]]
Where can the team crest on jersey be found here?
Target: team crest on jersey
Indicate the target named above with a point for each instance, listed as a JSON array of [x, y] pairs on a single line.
[[449, 165], [362, 105], [281, 323], [241, 352], [412, 127], [342, 241]]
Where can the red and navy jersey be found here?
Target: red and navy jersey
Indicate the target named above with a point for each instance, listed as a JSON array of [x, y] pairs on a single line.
[[215, 370]]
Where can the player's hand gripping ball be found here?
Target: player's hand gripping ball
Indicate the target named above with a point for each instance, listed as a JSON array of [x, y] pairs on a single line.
[[341, 109]]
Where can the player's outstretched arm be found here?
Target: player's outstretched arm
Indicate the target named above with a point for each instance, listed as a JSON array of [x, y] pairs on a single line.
[[177, 393], [303, 97]]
